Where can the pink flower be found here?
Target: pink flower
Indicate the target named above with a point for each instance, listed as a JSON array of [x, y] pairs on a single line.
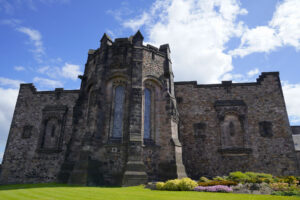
[[216, 188]]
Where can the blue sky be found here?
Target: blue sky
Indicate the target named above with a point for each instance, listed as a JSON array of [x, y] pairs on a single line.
[[46, 41]]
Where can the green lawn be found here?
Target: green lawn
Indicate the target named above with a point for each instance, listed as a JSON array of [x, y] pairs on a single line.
[[65, 192]]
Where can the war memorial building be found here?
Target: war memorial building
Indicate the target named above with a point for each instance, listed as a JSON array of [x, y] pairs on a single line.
[[130, 123]]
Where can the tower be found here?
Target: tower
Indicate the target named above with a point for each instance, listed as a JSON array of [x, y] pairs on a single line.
[[125, 121]]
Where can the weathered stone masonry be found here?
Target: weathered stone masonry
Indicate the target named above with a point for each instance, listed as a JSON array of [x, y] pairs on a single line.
[[129, 123], [235, 126]]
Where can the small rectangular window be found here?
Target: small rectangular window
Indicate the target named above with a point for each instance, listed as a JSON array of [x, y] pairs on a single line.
[[265, 129], [27, 131]]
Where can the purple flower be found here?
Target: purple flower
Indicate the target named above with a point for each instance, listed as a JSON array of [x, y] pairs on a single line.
[[216, 188]]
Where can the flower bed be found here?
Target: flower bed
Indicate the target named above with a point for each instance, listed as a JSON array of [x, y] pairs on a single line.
[[237, 182], [216, 188]]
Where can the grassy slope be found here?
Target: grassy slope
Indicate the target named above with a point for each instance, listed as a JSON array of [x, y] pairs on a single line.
[[64, 192]]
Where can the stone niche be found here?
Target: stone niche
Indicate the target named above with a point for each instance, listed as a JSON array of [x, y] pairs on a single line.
[[232, 121], [52, 129]]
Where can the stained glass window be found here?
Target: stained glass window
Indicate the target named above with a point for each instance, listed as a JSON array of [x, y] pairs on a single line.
[[118, 112], [147, 113]]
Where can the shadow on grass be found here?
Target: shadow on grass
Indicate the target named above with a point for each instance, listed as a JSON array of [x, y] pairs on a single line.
[[45, 185]]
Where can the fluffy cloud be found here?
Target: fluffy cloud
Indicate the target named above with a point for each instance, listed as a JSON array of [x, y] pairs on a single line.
[[68, 71], [253, 72], [9, 82], [259, 39], [286, 21], [197, 32], [283, 29], [47, 83], [7, 105], [292, 95]]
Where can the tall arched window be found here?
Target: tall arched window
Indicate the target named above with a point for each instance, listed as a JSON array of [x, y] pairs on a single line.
[[147, 113], [118, 112]]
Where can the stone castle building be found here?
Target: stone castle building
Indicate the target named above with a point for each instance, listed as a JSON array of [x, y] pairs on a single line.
[[130, 123]]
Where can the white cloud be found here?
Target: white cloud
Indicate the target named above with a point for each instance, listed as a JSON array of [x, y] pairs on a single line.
[[9, 82], [71, 71], [259, 39], [253, 72], [47, 83], [135, 24], [292, 95], [68, 71], [19, 68], [197, 32], [7, 105], [286, 21], [36, 38], [283, 29]]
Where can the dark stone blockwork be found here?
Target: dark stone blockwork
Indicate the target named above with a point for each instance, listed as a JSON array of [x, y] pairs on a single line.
[[122, 126]]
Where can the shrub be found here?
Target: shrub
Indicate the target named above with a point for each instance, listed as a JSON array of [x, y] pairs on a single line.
[[172, 185], [216, 188], [292, 180], [204, 179], [212, 183], [239, 177], [160, 185], [279, 186], [218, 178], [187, 184], [259, 177]]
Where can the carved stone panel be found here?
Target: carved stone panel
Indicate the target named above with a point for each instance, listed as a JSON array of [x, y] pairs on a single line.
[[232, 120], [52, 129]]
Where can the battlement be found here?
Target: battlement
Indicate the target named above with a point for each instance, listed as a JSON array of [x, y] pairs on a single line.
[[31, 86], [106, 41], [259, 81]]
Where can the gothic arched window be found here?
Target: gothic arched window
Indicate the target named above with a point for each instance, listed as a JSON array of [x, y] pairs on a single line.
[[147, 113], [118, 107]]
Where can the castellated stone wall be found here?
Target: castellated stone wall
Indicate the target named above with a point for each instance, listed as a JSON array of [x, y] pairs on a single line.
[[129, 124], [235, 126], [32, 155]]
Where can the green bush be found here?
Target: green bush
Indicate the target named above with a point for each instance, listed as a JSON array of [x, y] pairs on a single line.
[[187, 184], [259, 177], [160, 185], [291, 180], [219, 178], [250, 177], [213, 183], [204, 179], [172, 185], [239, 177]]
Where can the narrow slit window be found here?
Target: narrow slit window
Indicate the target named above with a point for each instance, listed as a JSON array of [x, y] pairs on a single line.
[[118, 112], [147, 114]]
